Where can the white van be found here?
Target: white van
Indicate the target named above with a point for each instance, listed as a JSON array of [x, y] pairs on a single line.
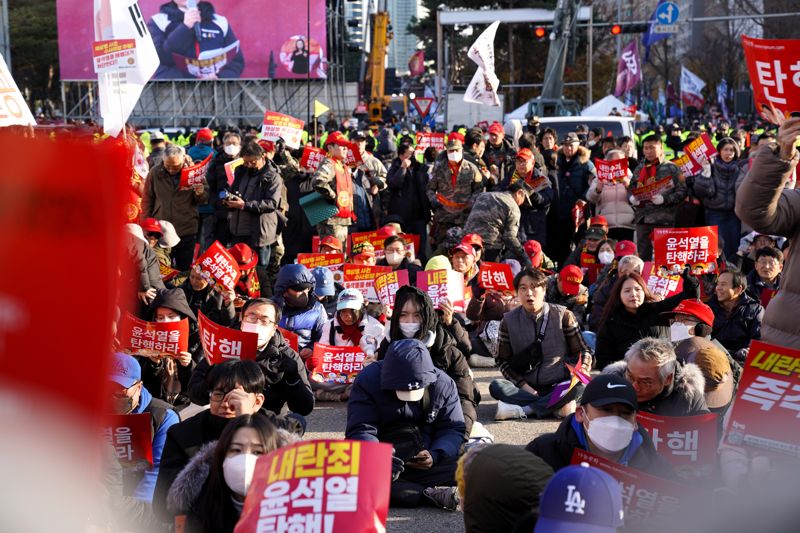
[[617, 126]]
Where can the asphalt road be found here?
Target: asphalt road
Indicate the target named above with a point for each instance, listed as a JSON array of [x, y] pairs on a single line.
[[328, 421]]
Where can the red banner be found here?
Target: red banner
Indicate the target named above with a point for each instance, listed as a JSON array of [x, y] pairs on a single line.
[[195, 174], [424, 140], [645, 191], [766, 296], [291, 339], [329, 261], [131, 437], [661, 281], [230, 169], [336, 364], [219, 268], [353, 157], [611, 171], [689, 443], [222, 344], [387, 285], [676, 248], [701, 150], [647, 499], [139, 337], [279, 126], [312, 158], [496, 276], [443, 285], [767, 405], [772, 64], [167, 273], [335, 486], [362, 277], [688, 166]]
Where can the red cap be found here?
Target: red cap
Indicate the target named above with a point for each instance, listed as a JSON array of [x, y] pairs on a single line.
[[496, 127], [455, 136], [337, 138], [204, 135], [466, 248], [384, 232], [571, 277], [268, 146], [534, 251], [525, 154], [598, 220], [473, 239], [331, 242], [624, 248], [244, 256], [694, 308], [151, 225]]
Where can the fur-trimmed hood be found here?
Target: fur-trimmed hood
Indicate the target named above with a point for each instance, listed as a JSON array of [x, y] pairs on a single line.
[[686, 395], [188, 486], [583, 154]]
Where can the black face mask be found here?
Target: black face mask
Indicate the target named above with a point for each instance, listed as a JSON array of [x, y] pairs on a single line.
[[299, 301]]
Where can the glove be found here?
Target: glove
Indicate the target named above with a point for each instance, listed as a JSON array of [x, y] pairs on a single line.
[[634, 202], [689, 281], [398, 467], [706, 173], [288, 366], [657, 199], [536, 199]]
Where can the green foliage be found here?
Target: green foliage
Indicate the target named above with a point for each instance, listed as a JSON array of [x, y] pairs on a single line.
[[34, 47]]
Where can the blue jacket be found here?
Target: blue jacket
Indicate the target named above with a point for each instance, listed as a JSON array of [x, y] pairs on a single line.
[[374, 404], [199, 152], [307, 322], [144, 491]]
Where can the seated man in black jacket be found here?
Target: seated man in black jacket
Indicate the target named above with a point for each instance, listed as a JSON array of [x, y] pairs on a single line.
[[236, 388], [605, 425]]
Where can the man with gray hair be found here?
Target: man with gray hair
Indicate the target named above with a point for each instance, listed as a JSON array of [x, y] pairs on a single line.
[[664, 386]]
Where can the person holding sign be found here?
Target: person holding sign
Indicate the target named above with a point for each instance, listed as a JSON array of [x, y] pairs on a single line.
[[533, 213], [334, 181], [575, 172], [202, 298], [611, 201], [164, 200]]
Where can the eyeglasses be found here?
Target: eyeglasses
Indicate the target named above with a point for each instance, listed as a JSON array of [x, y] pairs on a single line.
[[258, 319], [216, 396]]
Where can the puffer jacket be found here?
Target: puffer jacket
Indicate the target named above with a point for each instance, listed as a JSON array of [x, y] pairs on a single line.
[[612, 203], [735, 331], [764, 204], [307, 322], [685, 396], [663, 214], [574, 176], [718, 191], [163, 201], [260, 220]]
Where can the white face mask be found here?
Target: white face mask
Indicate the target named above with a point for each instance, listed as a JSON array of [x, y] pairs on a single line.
[[169, 319], [263, 332], [238, 472], [394, 258], [605, 257], [610, 433], [678, 331], [232, 149], [455, 157], [591, 143], [409, 329]]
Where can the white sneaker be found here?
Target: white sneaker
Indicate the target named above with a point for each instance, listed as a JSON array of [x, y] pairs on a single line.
[[480, 432], [480, 361], [508, 411]]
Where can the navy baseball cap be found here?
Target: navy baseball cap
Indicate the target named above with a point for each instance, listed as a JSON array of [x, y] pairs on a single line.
[[324, 279], [580, 499], [606, 389], [125, 370]]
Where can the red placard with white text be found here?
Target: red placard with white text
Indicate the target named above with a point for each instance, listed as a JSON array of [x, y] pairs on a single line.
[[645, 190], [331, 486], [387, 285], [218, 267], [701, 150], [230, 169], [443, 285], [336, 364], [139, 337], [312, 158], [660, 281], [291, 338], [222, 344], [279, 126], [646, 499], [688, 166], [353, 157], [131, 437], [496, 276], [689, 443], [611, 171], [425, 140], [772, 64], [767, 407], [677, 247], [362, 277], [195, 174]]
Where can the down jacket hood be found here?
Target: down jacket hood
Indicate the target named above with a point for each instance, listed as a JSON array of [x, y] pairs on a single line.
[[174, 299], [407, 365], [583, 154], [292, 275]]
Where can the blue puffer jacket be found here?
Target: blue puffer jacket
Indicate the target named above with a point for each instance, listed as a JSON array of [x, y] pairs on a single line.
[[307, 322], [374, 404]]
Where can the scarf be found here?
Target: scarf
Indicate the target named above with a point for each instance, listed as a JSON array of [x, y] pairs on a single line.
[[351, 333], [648, 172], [249, 285], [454, 169]]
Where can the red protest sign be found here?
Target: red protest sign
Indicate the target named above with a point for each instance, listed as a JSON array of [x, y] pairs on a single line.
[[195, 174], [279, 126], [676, 248], [222, 344], [230, 169], [167, 273], [611, 171], [353, 157], [139, 337], [767, 404], [701, 149], [336, 364], [689, 443], [335, 486], [218, 267], [131, 437], [647, 499], [688, 166], [425, 140], [443, 285], [329, 261], [291, 338], [645, 190], [312, 158], [496, 276], [772, 64], [386, 285], [661, 281], [362, 277], [423, 105], [766, 296]]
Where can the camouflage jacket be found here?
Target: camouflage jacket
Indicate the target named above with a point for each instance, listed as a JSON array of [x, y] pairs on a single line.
[[661, 215], [324, 182], [454, 202], [495, 217]]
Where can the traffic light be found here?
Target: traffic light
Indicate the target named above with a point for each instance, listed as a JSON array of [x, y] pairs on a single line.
[[617, 29], [540, 32]]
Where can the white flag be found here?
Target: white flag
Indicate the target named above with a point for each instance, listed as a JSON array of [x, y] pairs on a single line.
[[482, 50], [14, 110], [691, 88], [483, 89], [119, 89]]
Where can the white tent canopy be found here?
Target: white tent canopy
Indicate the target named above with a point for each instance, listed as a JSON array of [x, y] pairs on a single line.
[[518, 113], [603, 107]]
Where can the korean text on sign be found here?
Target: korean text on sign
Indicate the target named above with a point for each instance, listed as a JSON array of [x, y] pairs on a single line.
[[695, 247], [611, 171], [140, 337], [387, 285], [195, 174], [689, 443], [222, 344], [130, 436], [312, 158], [774, 67], [337, 364], [218, 267], [496, 276]]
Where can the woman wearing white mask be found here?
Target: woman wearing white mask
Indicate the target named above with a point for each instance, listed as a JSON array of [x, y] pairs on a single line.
[[208, 495], [605, 425]]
